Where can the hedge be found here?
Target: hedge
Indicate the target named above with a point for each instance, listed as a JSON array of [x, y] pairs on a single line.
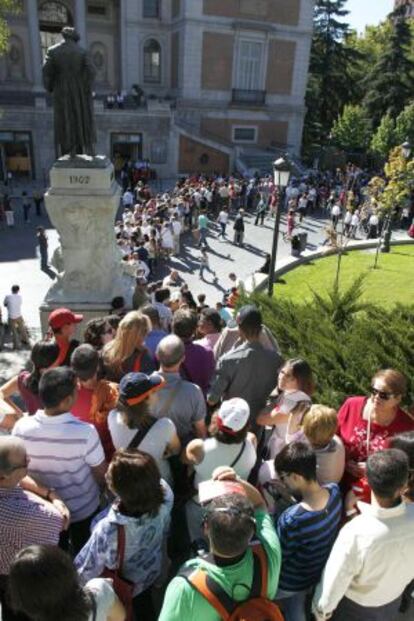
[[344, 354]]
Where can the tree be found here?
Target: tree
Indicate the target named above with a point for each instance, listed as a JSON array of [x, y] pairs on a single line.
[[330, 84], [404, 126], [370, 46], [400, 181], [6, 7], [352, 130], [384, 138], [390, 83]]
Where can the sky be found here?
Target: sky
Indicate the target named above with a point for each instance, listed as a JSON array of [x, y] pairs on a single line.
[[367, 12]]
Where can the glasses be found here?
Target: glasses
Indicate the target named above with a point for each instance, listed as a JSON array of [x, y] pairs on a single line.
[[381, 394]]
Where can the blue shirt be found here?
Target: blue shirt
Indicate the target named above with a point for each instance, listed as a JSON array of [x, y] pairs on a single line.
[[144, 538], [306, 538], [153, 338]]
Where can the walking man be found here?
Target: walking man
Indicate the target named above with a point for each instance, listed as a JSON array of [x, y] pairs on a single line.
[[203, 226], [238, 228], [222, 219], [43, 249]]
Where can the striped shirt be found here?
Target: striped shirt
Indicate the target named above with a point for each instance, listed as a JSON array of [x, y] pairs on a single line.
[[62, 451], [306, 538], [25, 520]]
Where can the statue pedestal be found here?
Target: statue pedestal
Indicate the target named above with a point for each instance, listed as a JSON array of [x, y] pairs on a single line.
[[82, 202]]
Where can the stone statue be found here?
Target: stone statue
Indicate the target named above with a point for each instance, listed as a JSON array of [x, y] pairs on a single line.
[[68, 74]]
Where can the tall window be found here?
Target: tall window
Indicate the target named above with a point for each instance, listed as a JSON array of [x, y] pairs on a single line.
[[53, 16], [249, 65], [152, 61], [152, 8]]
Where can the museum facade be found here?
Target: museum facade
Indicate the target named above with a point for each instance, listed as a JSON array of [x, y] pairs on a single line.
[[190, 85]]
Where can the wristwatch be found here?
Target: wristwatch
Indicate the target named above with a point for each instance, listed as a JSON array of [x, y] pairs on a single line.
[[50, 491]]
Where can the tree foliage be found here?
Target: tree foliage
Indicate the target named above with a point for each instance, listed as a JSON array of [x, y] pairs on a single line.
[[383, 139], [6, 7], [404, 127], [352, 130], [400, 181], [344, 358], [330, 82], [390, 83]]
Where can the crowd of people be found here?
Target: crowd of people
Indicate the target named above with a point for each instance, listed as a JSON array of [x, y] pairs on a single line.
[[152, 226], [172, 465]]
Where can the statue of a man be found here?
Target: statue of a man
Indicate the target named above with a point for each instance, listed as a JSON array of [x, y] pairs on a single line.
[[68, 74]]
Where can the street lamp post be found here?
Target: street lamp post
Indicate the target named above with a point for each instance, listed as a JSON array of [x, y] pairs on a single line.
[[281, 175], [386, 244]]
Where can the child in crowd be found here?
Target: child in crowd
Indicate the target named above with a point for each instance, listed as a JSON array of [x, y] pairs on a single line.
[[205, 264], [95, 397]]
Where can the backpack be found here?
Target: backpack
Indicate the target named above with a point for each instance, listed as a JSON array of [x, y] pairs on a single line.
[[256, 608]]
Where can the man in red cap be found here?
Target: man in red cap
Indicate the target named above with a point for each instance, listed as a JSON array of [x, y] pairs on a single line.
[[62, 322]]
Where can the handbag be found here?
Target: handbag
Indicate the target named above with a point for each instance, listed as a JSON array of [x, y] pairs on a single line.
[[141, 434], [122, 587]]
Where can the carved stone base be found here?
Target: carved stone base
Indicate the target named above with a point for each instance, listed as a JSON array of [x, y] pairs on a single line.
[[82, 202]]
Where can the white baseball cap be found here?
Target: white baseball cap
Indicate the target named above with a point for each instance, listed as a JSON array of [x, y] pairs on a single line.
[[233, 415]]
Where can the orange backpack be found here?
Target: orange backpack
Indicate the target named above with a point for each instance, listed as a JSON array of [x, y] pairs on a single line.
[[256, 608]]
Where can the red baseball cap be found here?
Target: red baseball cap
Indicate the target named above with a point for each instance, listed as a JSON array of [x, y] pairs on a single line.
[[63, 316]]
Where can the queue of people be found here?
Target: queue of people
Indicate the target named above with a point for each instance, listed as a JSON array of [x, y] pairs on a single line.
[[171, 466]]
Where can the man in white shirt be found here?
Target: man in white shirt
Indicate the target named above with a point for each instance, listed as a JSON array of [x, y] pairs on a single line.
[[127, 199], [222, 219], [176, 230], [13, 302], [371, 562]]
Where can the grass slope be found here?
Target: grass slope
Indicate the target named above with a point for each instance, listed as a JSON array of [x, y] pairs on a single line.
[[392, 282]]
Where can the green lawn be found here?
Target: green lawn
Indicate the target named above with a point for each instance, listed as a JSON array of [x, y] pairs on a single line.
[[391, 282]]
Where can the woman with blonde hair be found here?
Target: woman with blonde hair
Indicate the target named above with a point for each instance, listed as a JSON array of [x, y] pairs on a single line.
[[126, 352]]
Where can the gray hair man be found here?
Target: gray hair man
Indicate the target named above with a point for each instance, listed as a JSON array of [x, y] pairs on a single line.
[[25, 518], [179, 400]]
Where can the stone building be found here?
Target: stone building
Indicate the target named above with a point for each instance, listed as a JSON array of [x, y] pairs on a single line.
[[221, 83]]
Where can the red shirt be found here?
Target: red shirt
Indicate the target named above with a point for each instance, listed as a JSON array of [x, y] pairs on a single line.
[[352, 428], [82, 410]]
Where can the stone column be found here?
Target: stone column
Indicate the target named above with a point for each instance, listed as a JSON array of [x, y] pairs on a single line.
[[123, 45], [35, 46], [80, 21]]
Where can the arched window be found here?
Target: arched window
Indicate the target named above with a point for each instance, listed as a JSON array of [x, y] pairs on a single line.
[[152, 8], [53, 16], [152, 61]]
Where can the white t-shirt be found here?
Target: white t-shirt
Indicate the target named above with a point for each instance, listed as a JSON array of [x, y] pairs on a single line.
[[154, 443], [13, 302], [223, 217], [220, 454], [104, 596]]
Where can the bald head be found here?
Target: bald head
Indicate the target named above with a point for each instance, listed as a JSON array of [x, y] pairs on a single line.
[[12, 453], [170, 352]]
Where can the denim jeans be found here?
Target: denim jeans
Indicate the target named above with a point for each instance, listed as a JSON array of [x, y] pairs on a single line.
[[292, 604], [203, 237]]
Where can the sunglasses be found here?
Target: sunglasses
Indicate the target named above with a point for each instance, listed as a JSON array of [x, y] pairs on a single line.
[[382, 394], [17, 467]]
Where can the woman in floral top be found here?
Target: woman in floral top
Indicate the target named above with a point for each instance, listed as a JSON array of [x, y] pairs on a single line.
[[143, 506]]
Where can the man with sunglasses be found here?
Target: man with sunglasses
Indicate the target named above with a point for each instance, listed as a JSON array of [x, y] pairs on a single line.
[[25, 518]]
